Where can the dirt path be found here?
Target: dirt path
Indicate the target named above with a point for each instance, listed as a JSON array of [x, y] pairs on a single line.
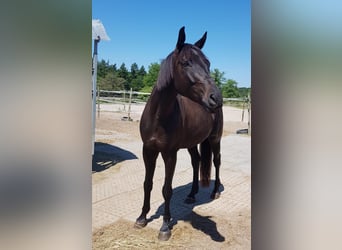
[[117, 192]]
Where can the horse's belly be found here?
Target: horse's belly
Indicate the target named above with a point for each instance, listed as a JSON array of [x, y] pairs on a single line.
[[167, 142], [192, 139]]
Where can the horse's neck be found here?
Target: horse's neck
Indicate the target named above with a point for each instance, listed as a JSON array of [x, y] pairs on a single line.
[[164, 102]]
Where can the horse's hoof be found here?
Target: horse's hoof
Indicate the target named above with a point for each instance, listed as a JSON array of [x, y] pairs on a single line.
[[140, 223], [165, 232], [215, 195], [164, 235], [190, 200]]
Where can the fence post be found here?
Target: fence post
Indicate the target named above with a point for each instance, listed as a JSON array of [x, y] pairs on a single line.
[[124, 100], [129, 105], [243, 110]]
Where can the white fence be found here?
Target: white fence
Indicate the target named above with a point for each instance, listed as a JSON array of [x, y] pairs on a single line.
[[122, 96], [126, 98], [246, 104]]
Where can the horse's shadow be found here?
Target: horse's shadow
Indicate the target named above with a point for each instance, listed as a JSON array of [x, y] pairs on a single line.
[[182, 211], [106, 156]]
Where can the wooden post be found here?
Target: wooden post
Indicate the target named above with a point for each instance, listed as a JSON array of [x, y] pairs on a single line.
[[129, 105], [124, 99], [243, 110]]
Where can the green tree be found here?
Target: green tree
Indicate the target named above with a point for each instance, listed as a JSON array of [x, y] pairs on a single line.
[[122, 72], [102, 68], [142, 71], [113, 68], [137, 83], [151, 77], [137, 76], [218, 77], [243, 91], [111, 82], [134, 71], [230, 89]]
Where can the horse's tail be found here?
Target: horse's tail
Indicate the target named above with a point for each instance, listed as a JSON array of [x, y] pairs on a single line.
[[205, 167]]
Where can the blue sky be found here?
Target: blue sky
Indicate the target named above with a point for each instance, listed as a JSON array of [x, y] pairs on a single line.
[[146, 31]]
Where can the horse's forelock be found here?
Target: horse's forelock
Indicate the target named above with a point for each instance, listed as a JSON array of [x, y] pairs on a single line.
[[166, 68]]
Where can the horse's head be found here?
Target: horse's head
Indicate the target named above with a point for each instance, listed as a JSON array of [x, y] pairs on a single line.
[[191, 73]]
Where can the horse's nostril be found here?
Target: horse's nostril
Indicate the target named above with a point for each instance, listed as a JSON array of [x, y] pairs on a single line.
[[212, 100]]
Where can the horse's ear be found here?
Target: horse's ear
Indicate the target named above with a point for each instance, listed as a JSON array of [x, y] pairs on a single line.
[[181, 39], [200, 43]]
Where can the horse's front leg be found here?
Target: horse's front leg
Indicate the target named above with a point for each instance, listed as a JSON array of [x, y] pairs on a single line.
[[170, 159], [150, 157], [217, 163], [195, 160]]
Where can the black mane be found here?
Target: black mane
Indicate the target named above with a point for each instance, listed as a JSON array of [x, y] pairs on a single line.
[[166, 72]]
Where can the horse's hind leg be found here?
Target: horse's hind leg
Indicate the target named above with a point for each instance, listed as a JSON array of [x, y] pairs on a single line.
[[216, 147], [170, 159], [150, 157], [195, 160]]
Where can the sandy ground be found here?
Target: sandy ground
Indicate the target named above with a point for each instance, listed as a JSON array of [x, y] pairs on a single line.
[[196, 227]]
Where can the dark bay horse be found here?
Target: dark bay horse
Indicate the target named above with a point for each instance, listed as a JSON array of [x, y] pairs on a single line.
[[184, 110]]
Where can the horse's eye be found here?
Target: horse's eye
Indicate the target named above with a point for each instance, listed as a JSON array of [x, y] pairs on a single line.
[[186, 63]]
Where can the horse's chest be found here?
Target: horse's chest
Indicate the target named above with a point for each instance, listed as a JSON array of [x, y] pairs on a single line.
[[177, 130]]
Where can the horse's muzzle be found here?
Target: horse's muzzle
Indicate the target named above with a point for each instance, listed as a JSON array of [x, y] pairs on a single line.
[[214, 101]]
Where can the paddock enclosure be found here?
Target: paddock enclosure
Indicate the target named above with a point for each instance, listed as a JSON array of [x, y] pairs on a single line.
[[130, 102]]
